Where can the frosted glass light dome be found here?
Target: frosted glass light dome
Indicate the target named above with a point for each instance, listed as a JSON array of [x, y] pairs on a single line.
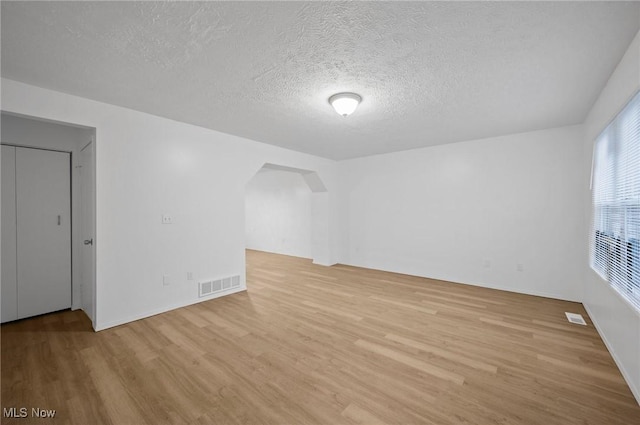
[[345, 103]]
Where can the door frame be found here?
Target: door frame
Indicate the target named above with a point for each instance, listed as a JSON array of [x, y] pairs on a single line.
[[91, 282]]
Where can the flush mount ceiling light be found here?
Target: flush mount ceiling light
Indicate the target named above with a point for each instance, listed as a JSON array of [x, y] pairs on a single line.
[[345, 103]]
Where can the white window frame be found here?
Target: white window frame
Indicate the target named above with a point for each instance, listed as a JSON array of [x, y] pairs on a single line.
[[615, 207]]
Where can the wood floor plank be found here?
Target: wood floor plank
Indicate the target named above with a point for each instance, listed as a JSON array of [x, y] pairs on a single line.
[[476, 364], [404, 305], [360, 415], [308, 344], [411, 362]]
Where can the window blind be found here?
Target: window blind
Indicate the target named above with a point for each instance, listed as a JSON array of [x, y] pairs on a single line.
[[615, 236]]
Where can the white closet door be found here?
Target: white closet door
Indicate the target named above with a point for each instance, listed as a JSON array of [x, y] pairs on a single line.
[[43, 198], [9, 273]]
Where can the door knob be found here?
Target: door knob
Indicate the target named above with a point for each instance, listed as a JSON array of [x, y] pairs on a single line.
[[88, 241]]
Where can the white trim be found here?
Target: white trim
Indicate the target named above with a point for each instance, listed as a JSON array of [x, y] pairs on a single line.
[[322, 263], [625, 374], [616, 291], [478, 284], [114, 323]]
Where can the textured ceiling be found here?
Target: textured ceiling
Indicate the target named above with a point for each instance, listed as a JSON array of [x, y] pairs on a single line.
[[429, 72]]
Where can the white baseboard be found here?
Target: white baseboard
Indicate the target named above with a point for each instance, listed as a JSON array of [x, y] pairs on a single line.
[[479, 284], [322, 263], [133, 318], [526, 292], [627, 377]]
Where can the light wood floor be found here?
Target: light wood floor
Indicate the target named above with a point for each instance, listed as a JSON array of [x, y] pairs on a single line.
[[315, 345]]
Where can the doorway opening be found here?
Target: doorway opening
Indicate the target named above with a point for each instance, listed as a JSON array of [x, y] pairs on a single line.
[[40, 150], [286, 212], [278, 213]]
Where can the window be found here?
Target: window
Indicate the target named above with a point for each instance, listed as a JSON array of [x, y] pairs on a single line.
[[615, 247]]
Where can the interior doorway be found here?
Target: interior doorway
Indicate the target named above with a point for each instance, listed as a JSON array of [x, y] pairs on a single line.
[[278, 213], [48, 143], [287, 212]]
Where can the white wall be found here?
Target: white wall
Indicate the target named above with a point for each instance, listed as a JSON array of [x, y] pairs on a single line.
[[617, 321], [445, 211], [147, 166], [48, 135], [278, 213]]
